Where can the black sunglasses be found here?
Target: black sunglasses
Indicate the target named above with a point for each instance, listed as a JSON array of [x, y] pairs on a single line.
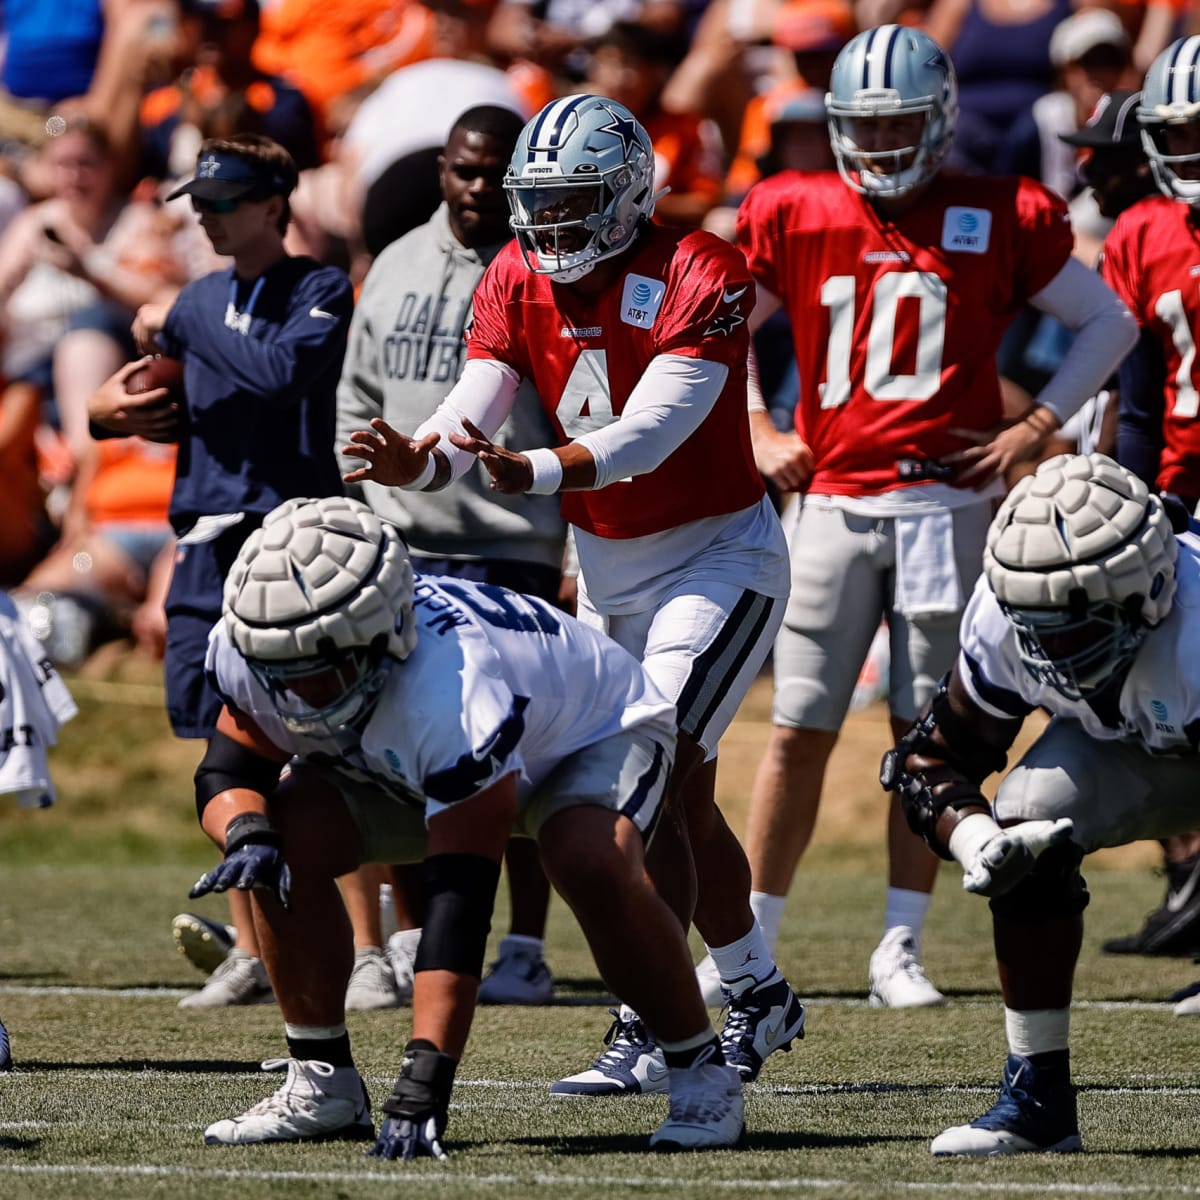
[[223, 208]]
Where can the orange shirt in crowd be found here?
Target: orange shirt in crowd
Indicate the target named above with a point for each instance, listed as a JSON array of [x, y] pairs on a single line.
[[132, 483]]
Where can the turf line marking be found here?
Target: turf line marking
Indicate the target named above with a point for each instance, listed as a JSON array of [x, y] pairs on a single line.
[[441, 1178]]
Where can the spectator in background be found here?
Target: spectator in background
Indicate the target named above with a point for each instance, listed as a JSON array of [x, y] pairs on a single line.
[[631, 65], [112, 563], [1000, 52], [218, 37], [73, 268], [406, 350]]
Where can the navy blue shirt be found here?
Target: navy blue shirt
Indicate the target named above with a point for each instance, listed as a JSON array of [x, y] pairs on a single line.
[[261, 380]]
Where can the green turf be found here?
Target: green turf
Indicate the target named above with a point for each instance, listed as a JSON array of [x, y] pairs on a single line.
[[113, 1091]]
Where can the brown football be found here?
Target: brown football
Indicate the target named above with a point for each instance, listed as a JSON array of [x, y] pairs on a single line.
[[158, 372]]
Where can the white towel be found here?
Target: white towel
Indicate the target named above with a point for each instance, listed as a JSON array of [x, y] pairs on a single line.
[[926, 571], [34, 703]]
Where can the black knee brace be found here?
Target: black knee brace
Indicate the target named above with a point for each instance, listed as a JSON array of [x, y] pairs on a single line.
[[460, 890], [1054, 888]]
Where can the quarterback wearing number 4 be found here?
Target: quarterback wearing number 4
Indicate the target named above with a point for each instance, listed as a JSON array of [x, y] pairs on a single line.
[[899, 283], [635, 337]]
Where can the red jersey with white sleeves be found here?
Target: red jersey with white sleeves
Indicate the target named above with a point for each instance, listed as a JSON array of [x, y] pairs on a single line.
[[896, 323], [1152, 261], [681, 293]]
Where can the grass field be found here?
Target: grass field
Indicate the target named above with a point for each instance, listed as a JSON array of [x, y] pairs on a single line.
[[115, 1083]]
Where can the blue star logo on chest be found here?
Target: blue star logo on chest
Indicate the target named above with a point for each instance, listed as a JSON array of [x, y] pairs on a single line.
[[625, 128]]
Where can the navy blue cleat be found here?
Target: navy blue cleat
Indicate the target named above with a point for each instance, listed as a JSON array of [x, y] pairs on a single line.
[[1035, 1112], [761, 1020], [6, 1062]]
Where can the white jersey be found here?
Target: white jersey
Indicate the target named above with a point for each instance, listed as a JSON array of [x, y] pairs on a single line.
[[498, 683], [1159, 704]]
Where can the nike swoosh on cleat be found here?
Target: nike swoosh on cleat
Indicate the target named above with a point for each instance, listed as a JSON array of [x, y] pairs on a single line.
[[321, 313], [730, 297], [773, 1034], [1176, 900], [655, 1073]]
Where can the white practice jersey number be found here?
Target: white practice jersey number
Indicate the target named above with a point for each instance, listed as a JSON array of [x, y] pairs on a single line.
[[1169, 309], [880, 381]]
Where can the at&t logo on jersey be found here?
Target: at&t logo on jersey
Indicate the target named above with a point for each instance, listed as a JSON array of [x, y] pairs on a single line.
[[1159, 711], [967, 230], [641, 299]]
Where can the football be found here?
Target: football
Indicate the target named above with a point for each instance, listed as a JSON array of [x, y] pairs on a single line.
[[158, 372]]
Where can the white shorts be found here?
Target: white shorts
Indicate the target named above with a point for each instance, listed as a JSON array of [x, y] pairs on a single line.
[[626, 773], [1115, 792], [843, 585], [702, 645]]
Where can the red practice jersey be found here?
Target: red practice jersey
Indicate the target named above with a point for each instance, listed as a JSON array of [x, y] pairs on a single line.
[[896, 324], [681, 293], [1152, 261]]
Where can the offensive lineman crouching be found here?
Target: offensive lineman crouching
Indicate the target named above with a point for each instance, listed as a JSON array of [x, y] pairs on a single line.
[[426, 719], [1088, 608]]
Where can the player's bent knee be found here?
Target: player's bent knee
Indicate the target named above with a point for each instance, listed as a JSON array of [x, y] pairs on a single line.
[[1054, 888], [460, 891]]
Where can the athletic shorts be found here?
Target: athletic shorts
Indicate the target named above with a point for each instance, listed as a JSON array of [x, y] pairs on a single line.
[[1115, 792], [843, 585], [703, 646], [626, 773]]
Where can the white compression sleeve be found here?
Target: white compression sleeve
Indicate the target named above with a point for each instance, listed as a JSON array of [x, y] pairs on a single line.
[[1105, 332], [484, 394], [671, 399]]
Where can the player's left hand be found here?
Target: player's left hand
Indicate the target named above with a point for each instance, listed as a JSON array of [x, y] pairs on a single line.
[[995, 451], [511, 472], [410, 1137], [388, 456], [255, 861]]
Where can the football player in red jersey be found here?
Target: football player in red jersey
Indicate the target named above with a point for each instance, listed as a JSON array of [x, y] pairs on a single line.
[[635, 337], [899, 283]]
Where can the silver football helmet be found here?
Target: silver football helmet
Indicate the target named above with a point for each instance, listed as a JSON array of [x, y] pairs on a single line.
[[320, 603], [580, 180], [887, 72], [1171, 97], [1082, 560]]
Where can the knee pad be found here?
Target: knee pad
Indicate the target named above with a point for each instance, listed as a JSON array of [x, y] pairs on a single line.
[[460, 890], [1054, 888]]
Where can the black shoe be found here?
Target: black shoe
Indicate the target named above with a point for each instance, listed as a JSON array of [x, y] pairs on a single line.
[[1173, 929]]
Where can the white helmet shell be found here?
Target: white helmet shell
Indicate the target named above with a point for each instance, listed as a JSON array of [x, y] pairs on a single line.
[[885, 72], [320, 577]]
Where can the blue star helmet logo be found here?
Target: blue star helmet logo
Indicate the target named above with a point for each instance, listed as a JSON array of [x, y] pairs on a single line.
[[626, 128]]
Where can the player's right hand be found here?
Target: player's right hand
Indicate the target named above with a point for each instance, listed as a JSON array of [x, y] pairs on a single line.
[[994, 859], [252, 864], [410, 1137], [388, 456]]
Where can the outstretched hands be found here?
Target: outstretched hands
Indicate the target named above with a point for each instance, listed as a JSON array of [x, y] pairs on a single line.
[[994, 859], [511, 472], [388, 456]]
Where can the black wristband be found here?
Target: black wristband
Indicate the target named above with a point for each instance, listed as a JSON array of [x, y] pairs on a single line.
[[250, 827]]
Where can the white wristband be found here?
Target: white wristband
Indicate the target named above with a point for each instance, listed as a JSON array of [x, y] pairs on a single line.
[[547, 471], [970, 835], [428, 471]]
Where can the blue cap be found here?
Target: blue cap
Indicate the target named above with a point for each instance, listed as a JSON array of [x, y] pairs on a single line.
[[230, 177]]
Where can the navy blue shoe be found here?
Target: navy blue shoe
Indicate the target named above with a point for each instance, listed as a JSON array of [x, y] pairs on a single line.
[[762, 1019], [1035, 1112], [631, 1065], [6, 1062]]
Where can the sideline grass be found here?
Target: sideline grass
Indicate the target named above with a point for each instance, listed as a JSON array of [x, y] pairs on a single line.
[[113, 1090]]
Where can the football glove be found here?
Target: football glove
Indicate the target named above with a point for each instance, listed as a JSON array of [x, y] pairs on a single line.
[[995, 860], [253, 859], [417, 1108], [410, 1137]]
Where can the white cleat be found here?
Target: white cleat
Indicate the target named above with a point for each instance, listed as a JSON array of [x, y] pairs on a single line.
[[706, 1110], [372, 983], [316, 1103], [897, 977], [402, 954], [238, 979], [204, 943]]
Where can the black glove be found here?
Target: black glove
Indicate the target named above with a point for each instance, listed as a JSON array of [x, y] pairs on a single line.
[[417, 1108], [253, 858]]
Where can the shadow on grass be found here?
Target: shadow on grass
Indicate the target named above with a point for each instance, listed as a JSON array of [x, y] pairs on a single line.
[[42, 976], [192, 1066], [626, 1143], [13, 1143]]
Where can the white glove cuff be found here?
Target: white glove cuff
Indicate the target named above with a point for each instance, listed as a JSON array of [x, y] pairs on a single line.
[[970, 836], [547, 471]]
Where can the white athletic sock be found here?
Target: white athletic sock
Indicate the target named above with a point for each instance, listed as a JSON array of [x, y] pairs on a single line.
[[906, 907], [745, 962], [1037, 1030], [768, 912], [314, 1033]]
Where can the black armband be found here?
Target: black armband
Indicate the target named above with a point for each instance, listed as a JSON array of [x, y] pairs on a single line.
[[250, 827], [460, 890], [425, 1082], [228, 764]]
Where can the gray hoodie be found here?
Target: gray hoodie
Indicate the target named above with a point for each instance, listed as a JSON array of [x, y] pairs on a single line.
[[406, 352]]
